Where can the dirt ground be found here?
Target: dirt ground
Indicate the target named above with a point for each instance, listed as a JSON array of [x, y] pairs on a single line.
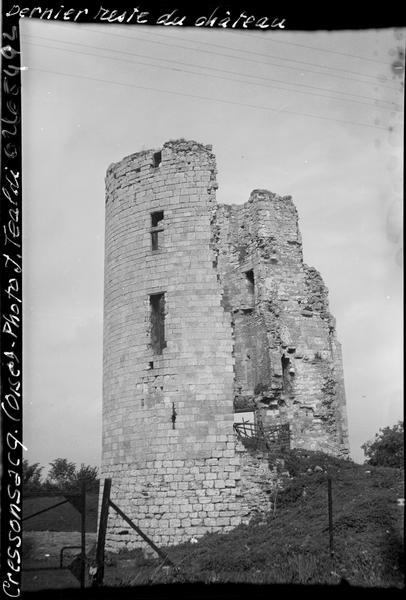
[[41, 559]]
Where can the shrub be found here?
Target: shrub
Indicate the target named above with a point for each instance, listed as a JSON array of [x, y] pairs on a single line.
[[387, 448]]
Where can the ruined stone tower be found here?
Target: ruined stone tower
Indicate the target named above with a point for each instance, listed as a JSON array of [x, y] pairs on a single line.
[[209, 310]]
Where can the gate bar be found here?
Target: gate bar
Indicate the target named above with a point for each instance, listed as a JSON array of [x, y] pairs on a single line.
[[45, 509], [141, 533], [101, 538], [83, 536]]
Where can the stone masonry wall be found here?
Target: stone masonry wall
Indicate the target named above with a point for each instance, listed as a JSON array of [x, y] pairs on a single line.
[[209, 309], [260, 480], [181, 481], [287, 358]]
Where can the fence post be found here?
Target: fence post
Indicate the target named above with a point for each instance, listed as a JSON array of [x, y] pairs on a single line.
[[330, 516], [83, 535], [101, 538]]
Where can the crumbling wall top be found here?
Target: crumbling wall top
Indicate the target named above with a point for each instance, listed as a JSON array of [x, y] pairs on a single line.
[[189, 146], [182, 150]]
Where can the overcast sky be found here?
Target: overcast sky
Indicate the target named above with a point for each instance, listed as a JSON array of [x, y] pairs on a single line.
[[315, 115]]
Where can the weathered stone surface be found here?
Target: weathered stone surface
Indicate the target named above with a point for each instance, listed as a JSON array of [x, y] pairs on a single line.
[[287, 357], [238, 321]]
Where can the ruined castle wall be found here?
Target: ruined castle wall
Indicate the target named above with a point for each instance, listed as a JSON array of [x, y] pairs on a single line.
[[286, 353], [208, 309], [181, 481], [260, 480]]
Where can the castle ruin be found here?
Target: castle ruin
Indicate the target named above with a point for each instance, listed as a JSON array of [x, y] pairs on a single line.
[[210, 316]]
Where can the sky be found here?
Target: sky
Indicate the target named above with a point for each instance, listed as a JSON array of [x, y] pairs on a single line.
[[317, 115]]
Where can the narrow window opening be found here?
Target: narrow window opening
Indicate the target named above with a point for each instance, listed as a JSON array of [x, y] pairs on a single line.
[[287, 385], [151, 364], [157, 158], [157, 304], [156, 218], [157, 228], [249, 275], [154, 240]]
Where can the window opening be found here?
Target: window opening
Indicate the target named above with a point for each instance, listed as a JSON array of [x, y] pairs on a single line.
[[250, 285], [157, 228], [156, 218], [157, 304], [157, 158], [287, 383]]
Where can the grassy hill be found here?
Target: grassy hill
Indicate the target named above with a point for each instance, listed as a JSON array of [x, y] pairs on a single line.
[[292, 544]]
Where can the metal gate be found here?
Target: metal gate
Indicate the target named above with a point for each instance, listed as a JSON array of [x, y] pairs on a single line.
[[78, 500]]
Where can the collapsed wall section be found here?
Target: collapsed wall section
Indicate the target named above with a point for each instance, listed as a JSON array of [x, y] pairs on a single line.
[[288, 363], [168, 441]]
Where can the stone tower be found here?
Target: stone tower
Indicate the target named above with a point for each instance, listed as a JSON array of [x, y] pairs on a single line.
[[209, 310]]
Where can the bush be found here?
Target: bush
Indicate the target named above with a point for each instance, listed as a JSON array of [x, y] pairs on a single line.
[[387, 449]]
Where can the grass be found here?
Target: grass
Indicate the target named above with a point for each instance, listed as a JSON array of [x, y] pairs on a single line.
[[292, 545]]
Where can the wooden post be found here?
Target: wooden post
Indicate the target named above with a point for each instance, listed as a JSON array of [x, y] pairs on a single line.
[[101, 537], [83, 536], [330, 516], [141, 533]]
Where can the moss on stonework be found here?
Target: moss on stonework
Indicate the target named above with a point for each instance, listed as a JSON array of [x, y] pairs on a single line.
[[329, 390], [328, 401], [244, 404]]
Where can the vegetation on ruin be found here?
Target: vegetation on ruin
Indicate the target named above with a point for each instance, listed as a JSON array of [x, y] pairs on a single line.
[[289, 544], [292, 544]]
